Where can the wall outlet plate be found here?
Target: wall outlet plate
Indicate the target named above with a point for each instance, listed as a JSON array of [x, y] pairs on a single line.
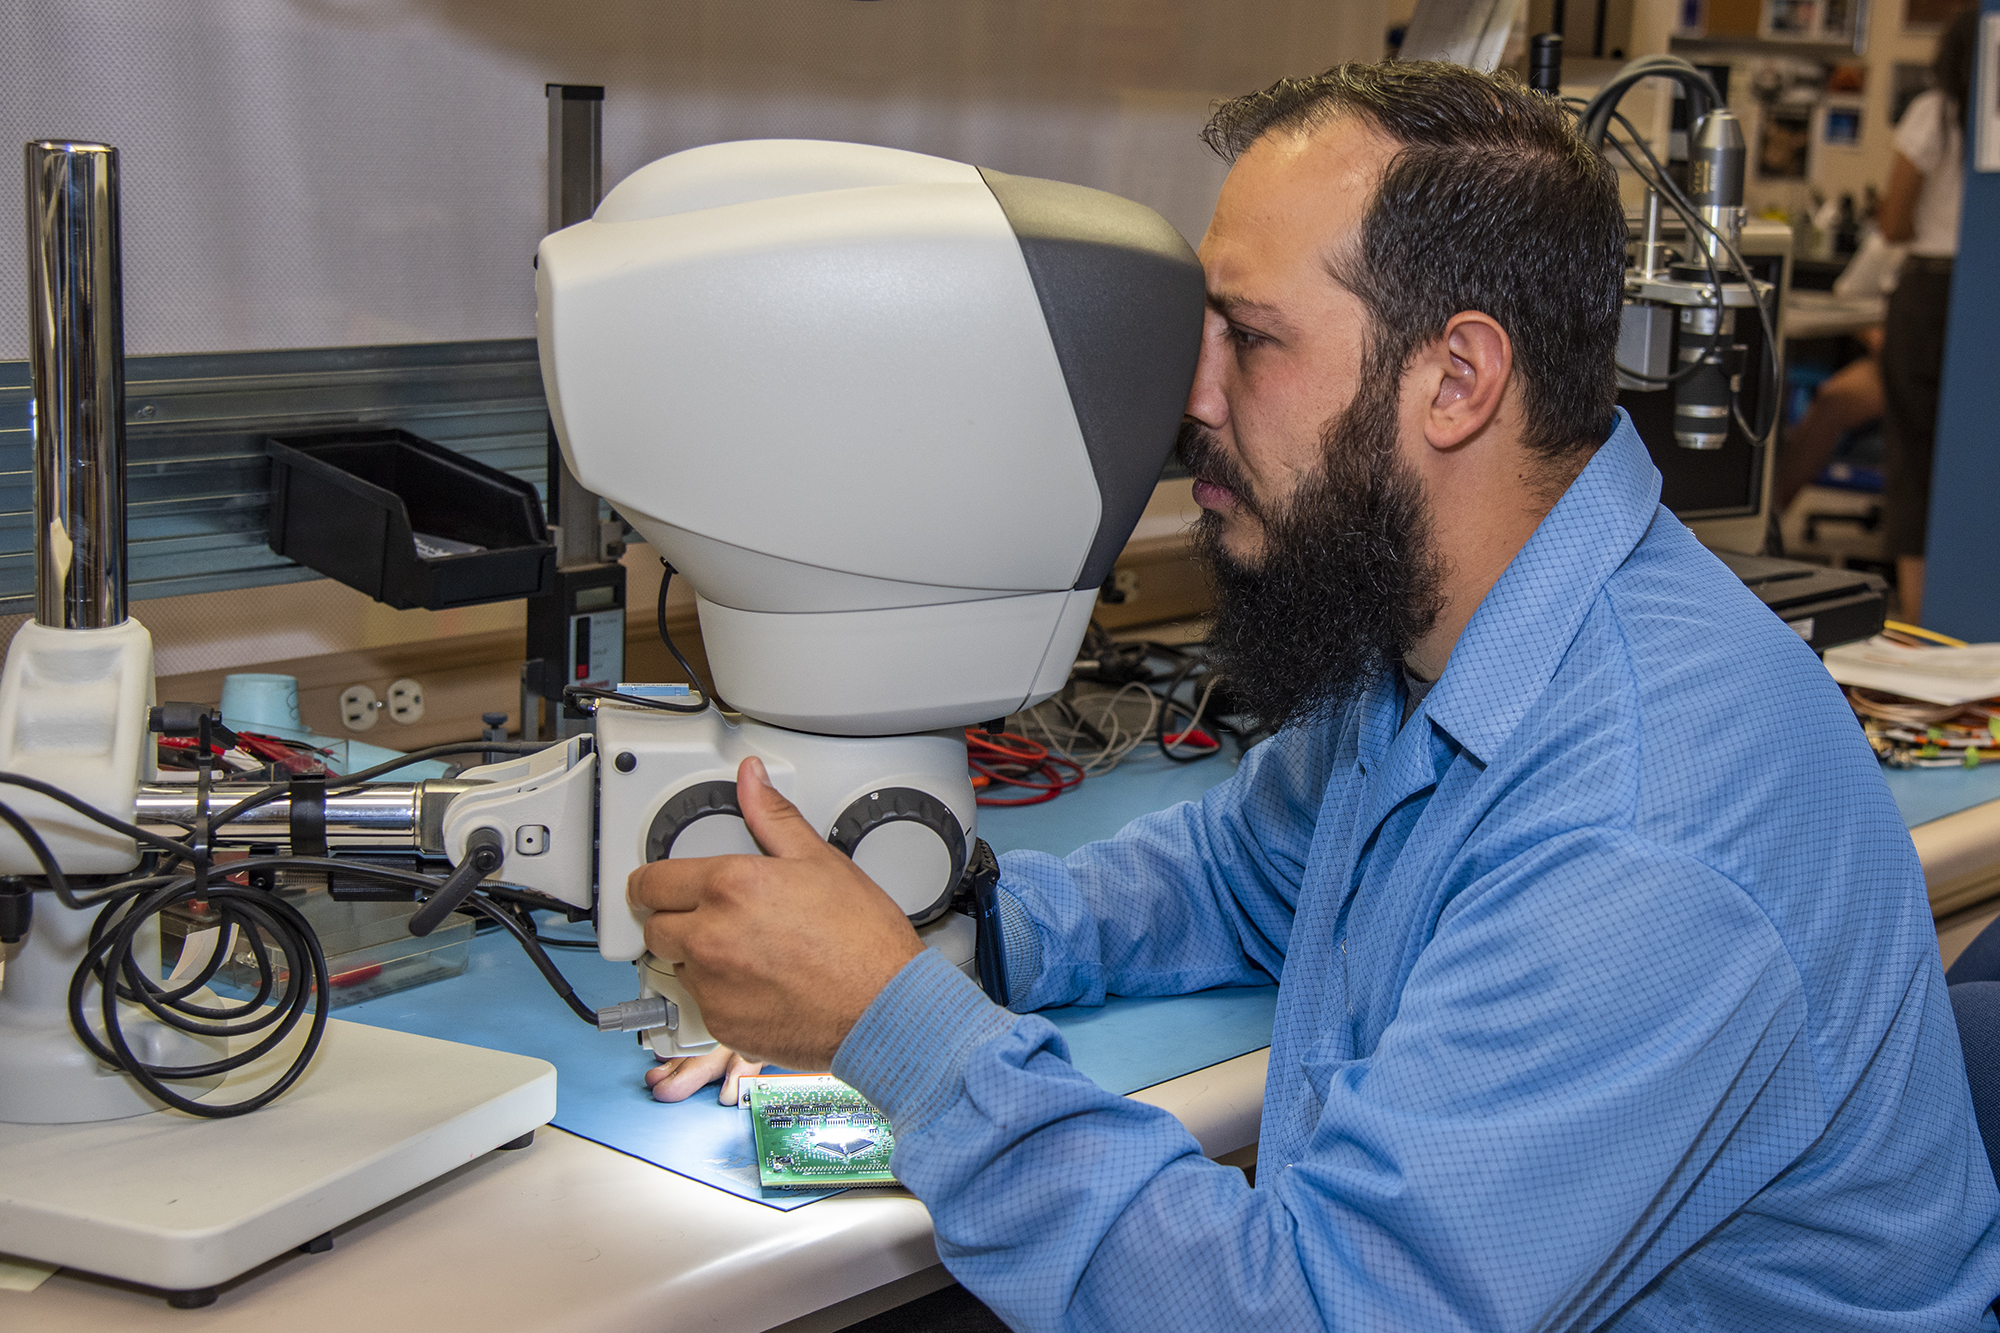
[[406, 700], [359, 708]]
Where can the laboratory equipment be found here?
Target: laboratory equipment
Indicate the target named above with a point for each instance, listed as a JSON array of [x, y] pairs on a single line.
[[576, 626], [93, 1173], [801, 369], [1699, 360], [813, 1132]]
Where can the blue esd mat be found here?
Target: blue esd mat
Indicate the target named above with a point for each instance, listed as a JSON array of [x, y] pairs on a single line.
[[1924, 794], [502, 1003]]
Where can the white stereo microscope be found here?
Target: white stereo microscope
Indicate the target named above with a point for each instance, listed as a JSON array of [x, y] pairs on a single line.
[[893, 417]]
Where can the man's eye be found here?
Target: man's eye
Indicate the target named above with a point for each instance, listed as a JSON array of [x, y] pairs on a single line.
[[1244, 338]]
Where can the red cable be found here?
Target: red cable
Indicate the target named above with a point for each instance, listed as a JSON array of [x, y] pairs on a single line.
[[1015, 761]]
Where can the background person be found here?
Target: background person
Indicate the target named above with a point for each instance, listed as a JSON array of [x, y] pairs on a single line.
[[1921, 207]]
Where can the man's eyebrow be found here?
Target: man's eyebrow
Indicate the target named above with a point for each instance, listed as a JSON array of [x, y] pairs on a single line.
[[1241, 308]]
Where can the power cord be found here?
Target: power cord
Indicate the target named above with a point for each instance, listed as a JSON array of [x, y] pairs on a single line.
[[279, 940], [709, 696], [265, 795]]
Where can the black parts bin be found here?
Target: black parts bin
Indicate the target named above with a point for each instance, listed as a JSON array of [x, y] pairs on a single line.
[[408, 522]]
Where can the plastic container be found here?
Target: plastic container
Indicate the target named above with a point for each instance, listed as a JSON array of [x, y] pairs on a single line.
[[369, 949], [269, 705], [253, 701], [408, 522]]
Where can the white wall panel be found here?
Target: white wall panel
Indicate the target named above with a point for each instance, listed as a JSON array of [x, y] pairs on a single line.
[[303, 173]]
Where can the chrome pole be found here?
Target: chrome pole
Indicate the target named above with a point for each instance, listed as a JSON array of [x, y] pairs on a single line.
[[76, 361], [378, 816], [1651, 248]]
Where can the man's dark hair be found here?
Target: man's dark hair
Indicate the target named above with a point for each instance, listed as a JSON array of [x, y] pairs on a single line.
[[1492, 204]]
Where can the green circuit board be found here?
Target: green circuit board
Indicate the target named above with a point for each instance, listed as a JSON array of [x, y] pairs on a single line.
[[816, 1133]]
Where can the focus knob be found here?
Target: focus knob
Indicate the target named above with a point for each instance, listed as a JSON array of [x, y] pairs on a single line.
[[684, 808], [918, 871]]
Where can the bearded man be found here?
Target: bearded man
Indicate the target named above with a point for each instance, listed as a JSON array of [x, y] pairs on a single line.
[[1608, 992]]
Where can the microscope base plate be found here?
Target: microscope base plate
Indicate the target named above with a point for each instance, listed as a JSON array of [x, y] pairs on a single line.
[[180, 1203]]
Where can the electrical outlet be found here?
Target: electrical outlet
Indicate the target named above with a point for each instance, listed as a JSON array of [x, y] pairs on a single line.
[[406, 701], [359, 708], [1126, 581]]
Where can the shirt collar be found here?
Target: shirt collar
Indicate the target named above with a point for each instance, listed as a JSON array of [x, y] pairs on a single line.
[[1509, 650]]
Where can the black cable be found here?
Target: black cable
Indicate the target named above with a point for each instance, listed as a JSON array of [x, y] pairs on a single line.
[[1594, 125], [536, 955], [40, 851], [253, 915], [256, 915], [435, 752], [1662, 183], [271, 793], [92, 813], [635, 700], [1692, 217], [1171, 705], [524, 903], [1697, 87], [552, 942], [709, 696]]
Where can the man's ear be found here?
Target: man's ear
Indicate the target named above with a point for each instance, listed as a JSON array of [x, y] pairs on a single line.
[[1473, 362]]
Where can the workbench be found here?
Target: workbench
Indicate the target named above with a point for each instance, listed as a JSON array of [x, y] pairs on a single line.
[[570, 1235], [1954, 818]]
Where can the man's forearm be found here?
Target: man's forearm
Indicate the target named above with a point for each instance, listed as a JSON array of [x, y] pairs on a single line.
[[1191, 897], [1031, 1169], [1408, 1186]]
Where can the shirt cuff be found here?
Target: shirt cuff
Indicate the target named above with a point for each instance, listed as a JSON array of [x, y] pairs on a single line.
[[908, 1051], [1021, 947]]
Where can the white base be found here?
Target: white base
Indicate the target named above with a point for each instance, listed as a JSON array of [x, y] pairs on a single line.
[[180, 1203]]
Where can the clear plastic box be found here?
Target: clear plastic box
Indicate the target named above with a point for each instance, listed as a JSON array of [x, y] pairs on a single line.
[[369, 948]]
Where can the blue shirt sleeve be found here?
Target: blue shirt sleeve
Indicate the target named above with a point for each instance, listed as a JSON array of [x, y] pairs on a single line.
[[1540, 1131], [1195, 896]]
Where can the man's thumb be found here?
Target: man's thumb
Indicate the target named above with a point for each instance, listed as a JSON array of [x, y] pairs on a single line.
[[773, 821]]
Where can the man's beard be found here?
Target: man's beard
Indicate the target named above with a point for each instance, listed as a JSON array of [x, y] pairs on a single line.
[[1350, 576]]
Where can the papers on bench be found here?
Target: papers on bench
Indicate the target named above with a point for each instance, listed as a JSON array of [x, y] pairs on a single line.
[[1933, 675]]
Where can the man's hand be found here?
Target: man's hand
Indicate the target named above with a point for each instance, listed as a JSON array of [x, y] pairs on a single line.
[[783, 951], [681, 1077]]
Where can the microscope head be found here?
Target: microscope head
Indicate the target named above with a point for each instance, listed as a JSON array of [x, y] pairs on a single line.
[[892, 416]]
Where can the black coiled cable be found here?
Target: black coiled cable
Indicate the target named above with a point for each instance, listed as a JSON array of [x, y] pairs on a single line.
[[251, 914], [290, 964], [281, 943]]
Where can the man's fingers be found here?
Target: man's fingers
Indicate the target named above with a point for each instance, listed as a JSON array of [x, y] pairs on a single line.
[[739, 1068], [667, 886], [676, 1080], [774, 822]]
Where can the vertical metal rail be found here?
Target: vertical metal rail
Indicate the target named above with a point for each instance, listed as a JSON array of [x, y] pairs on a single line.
[[576, 630], [576, 182], [76, 361], [576, 152]]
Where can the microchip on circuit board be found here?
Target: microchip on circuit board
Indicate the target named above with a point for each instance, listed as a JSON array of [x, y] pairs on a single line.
[[815, 1133]]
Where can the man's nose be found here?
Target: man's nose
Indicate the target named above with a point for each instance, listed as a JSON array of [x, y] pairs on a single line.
[[1207, 401]]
